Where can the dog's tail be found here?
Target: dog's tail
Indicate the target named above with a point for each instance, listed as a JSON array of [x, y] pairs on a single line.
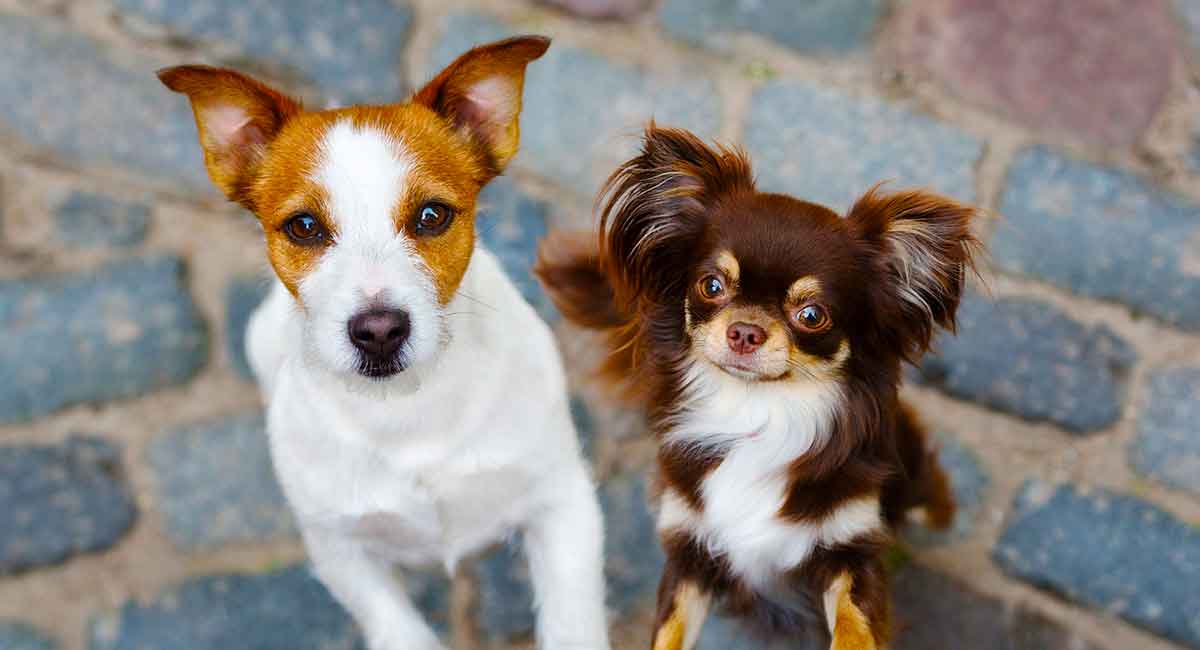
[[924, 483], [570, 269]]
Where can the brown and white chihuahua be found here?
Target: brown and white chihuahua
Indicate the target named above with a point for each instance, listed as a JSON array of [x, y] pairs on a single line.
[[764, 337]]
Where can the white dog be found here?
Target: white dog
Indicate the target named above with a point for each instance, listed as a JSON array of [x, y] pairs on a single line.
[[417, 406]]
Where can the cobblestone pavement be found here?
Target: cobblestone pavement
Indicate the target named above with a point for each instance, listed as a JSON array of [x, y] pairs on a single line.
[[137, 507]]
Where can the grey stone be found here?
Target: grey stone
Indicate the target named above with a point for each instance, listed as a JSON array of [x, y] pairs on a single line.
[[721, 633], [828, 147], [571, 87], [968, 480], [1028, 358], [1167, 446], [510, 223], [821, 26], [242, 297], [1102, 233], [88, 220], [284, 610], [633, 563], [1108, 551], [934, 611], [96, 110], [351, 49], [585, 426], [19, 636], [114, 332], [245, 505], [1190, 11], [60, 501]]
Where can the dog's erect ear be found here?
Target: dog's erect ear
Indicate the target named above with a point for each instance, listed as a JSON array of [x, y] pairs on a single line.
[[236, 117], [926, 249], [480, 93], [655, 205]]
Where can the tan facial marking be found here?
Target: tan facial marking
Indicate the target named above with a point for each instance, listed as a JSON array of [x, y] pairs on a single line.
[[729, 266], [818, 368], [803, 290], [447, 255]]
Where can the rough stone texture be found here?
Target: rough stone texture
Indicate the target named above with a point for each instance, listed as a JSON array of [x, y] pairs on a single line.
[[633, 563], [242, 297], [1141, 564], [822, 26], [115, 332], [569, 87], [1102, 233], [285, 610], [245, 505], [89, 220], [830, 148], [601, 8], [1028, 358], [114, 111], [1048, 64], [352, 49], [728, 634], [61, 500], [1190, 11], [1167, 447], [935, 612], [969, 481], [18, 636], [510, 223]]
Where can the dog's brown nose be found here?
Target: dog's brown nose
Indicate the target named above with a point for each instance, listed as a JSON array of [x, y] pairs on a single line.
[[379, 333], [745, 338]]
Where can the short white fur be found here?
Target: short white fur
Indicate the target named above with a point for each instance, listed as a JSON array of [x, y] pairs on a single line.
[[445, 458]]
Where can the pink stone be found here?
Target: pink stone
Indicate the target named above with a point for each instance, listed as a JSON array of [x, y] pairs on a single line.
[[601, 8], [1097, 69]]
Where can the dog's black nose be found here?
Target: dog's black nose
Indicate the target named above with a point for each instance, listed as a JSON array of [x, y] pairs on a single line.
[[379, 333], [745, 338]]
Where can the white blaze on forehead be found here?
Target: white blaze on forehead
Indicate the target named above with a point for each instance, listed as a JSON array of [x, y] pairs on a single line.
[[364, 172]]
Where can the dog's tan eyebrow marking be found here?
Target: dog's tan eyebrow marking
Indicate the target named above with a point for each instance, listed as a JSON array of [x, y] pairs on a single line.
[[729, 265], [806, 288]]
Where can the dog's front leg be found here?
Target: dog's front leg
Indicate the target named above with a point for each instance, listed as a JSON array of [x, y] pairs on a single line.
[[682, 610], [856, 613], [564, 544], [367, 587]]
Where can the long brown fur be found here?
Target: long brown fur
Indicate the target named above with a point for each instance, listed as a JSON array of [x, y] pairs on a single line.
[[894, 268]]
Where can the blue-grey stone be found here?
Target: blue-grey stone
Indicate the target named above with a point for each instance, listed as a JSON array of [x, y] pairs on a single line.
[[1108, 551], [1190, 11], [585, 426], [88, 220], [583, 114], [1102, 233], [19, 636], [633, 563], [510, 223], [1028, 358], [242, 297], [245, 505], [721, 633], [821, 26], [96, 110], [114, 332], [352, 49], [1167, 446], [61, 500], [829, 147], [969, 482], [284, 610]]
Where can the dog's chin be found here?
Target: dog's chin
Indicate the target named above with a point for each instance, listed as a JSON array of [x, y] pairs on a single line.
[[747, 371]]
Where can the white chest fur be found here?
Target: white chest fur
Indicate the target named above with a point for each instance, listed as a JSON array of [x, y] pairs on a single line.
[[762, 428]]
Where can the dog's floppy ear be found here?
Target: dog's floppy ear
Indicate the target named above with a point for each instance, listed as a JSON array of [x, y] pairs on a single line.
[[925, 249], [480, 94], [654, 206], [236, 117]]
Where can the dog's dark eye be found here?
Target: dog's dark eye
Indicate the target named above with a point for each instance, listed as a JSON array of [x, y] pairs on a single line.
[[811, 318], [433, 219], [304, 229], [711, 287]]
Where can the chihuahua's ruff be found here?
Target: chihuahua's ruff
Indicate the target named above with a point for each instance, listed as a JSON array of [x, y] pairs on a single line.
[[764, 336], [417, 407]]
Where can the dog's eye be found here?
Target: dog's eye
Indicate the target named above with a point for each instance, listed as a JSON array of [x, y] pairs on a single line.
[[304, 229], [811, 318], [711, 287], [433, 219]]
